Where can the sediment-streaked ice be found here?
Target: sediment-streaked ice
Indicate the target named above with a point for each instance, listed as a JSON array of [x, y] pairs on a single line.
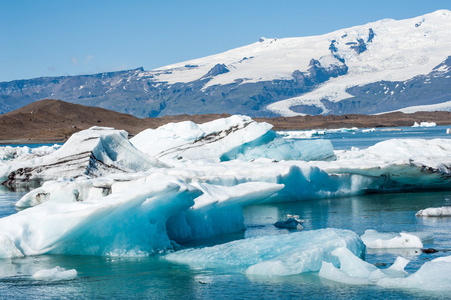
[[236, 137], [97, 151]]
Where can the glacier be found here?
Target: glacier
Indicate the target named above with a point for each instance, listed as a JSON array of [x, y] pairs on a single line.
[[102, 194]]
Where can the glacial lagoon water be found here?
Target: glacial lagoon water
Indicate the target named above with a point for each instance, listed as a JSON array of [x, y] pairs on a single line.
[[156, 278]]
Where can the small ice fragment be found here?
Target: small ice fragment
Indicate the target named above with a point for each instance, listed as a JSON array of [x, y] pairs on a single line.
[[444, 211], [56, 273], [292, 222]]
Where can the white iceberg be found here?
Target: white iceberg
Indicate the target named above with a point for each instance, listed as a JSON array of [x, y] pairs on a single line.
[[424, 124], [95, 152], [444, 211], [432, 276], [400, 164], [377, 240], [9, 153], [369, 130], [56, 273], [225, 139], [209, 141]]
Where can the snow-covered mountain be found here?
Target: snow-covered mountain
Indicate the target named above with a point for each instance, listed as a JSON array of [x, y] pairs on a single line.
[[378, 67]]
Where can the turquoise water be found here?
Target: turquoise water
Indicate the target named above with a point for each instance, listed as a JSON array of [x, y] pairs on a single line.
[[156, 278], [346, 140]]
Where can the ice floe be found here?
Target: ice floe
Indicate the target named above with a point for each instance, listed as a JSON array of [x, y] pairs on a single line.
[[56, 273], [279, 255], [424, 124], [378, 240], [432, 276], [444, 211], [97, 151], [236, 137]]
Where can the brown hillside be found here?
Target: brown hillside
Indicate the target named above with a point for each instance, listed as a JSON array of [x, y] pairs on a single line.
[[55, 121]]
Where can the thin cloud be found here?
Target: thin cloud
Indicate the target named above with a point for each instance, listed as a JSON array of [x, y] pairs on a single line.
[[74, 60], [89, 57], [51, 69]]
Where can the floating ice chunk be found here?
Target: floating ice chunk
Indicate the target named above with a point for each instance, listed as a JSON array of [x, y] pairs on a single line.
[[301, 180], [397, 269], [368, 130], [284, 149], [432, 276], [219, 210], [424, 124], [97, 151], [209, 141], [300, 134], [444, 211], [56, 273], [374, 239], [8, 248], [343, 130], [330, 272], [279, 255], [8, 153], [355, 271], [73, 190], [399, 164], [128, 221]]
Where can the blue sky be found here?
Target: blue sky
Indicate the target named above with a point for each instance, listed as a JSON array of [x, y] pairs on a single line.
[[62, 37]]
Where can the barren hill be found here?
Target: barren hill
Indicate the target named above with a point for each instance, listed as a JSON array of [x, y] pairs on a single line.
[[55, 121]]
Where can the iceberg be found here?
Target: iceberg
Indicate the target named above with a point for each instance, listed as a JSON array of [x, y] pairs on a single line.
[[284, 149], [400, 164], [56, 273], [130, 221], [424, 124], [432, 276], [101, 194], [278, 255], [353, 270], [236, 137], [300, 134], [95, 152], [209, 141], [444, 211], [377, 240], [219, 210], [8, 153]]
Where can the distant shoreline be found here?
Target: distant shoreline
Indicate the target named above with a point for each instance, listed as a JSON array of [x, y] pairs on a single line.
[[54, 121]]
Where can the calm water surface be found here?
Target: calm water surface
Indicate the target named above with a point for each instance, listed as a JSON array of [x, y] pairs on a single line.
[[155, 278]]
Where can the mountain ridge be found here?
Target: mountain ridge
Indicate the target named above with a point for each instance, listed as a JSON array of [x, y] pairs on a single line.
[[378, 67]]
